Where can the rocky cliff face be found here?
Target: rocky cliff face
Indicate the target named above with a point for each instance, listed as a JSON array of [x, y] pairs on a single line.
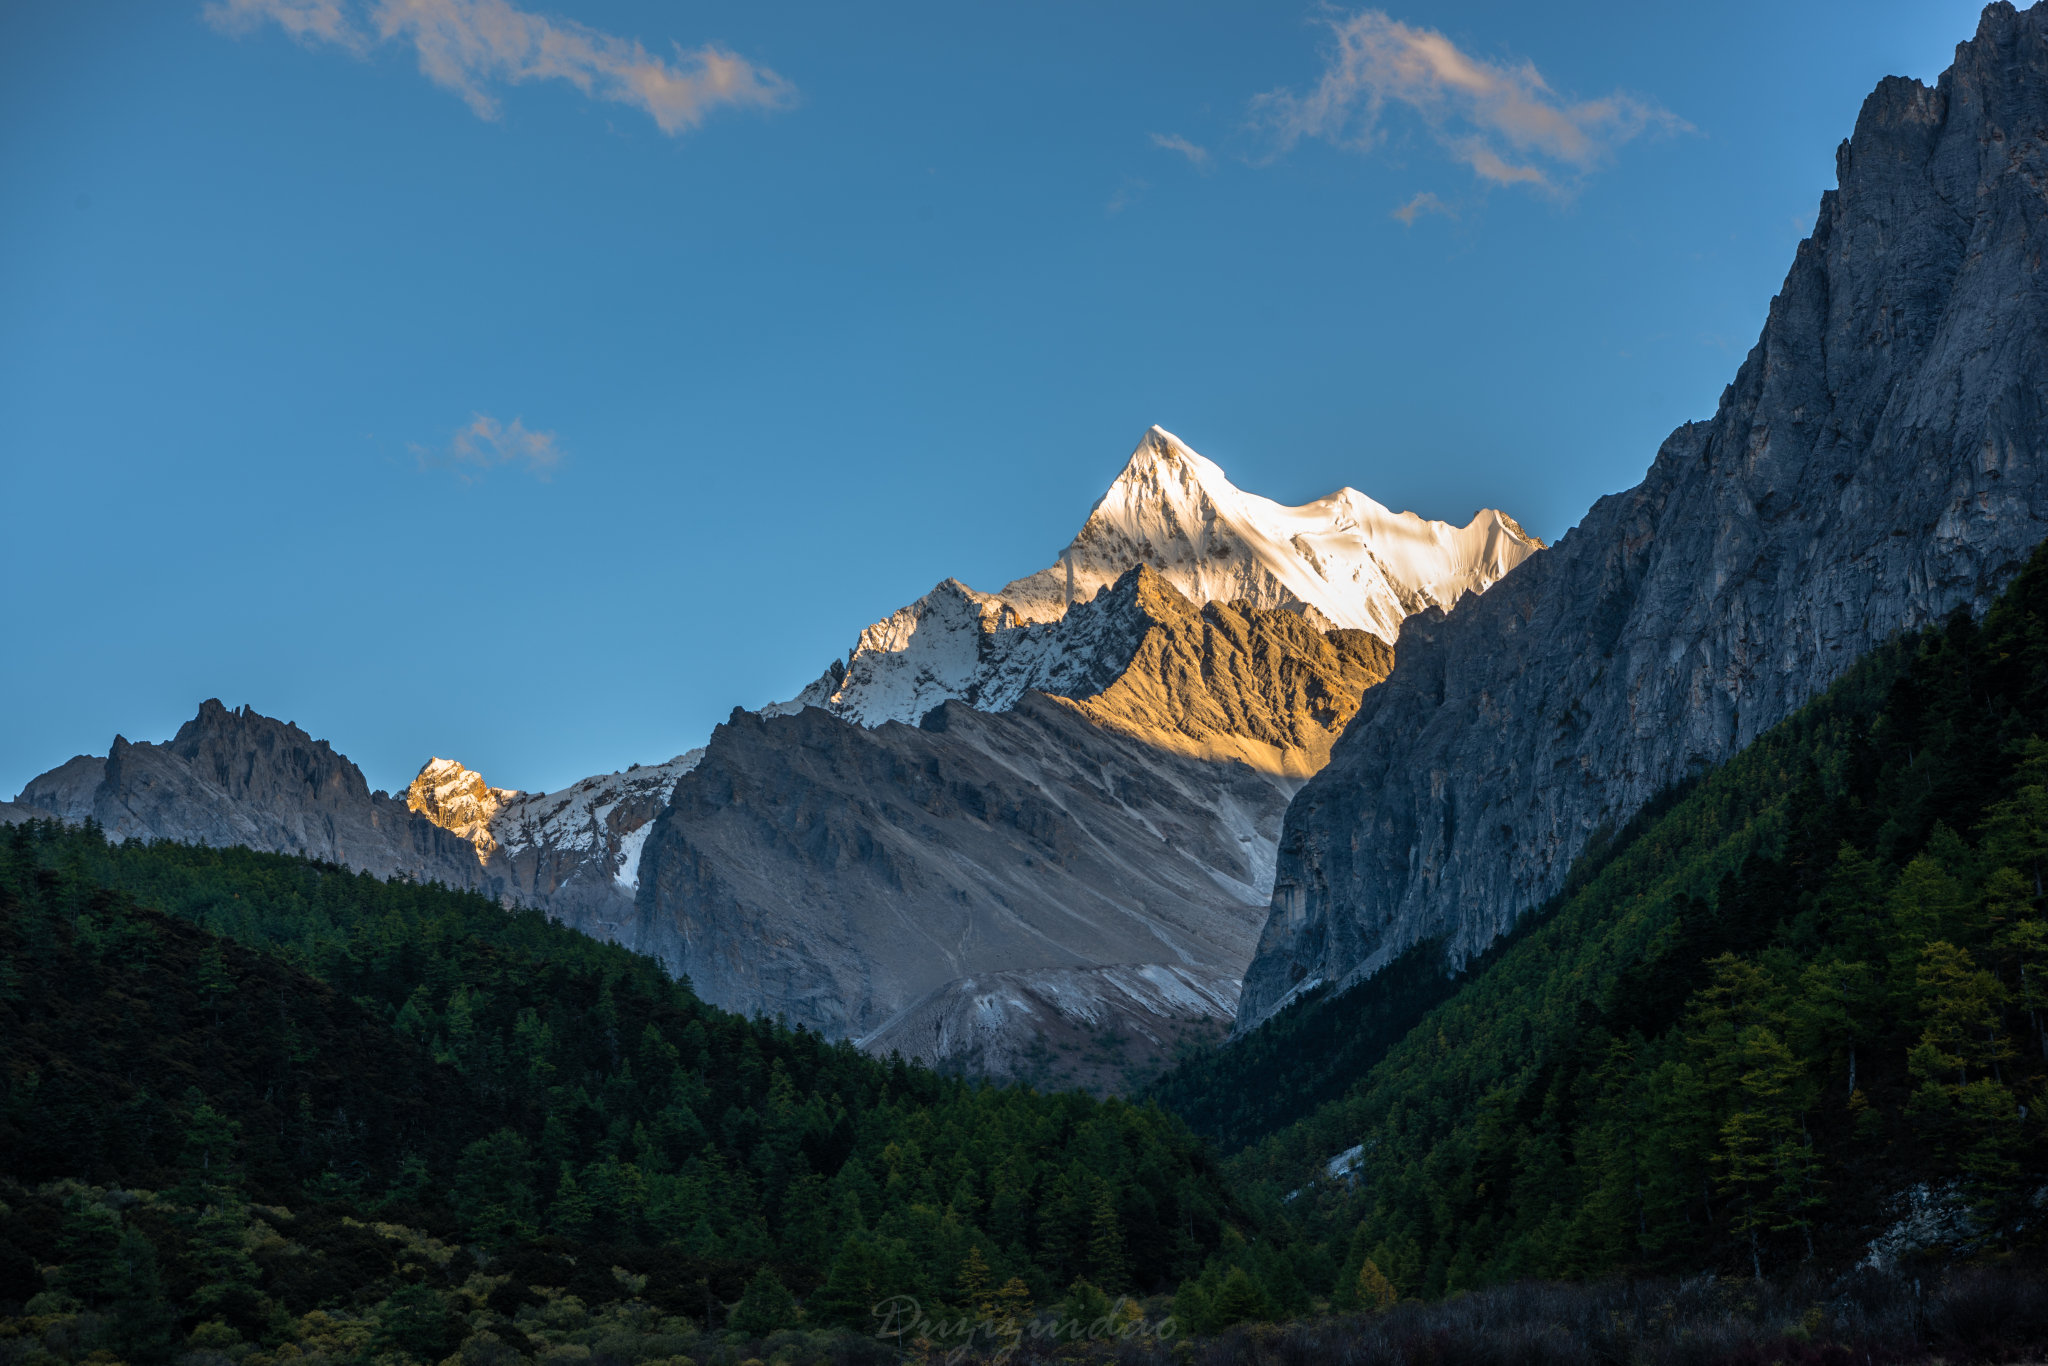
[[838, 873], [1878, 460], [237, 777]]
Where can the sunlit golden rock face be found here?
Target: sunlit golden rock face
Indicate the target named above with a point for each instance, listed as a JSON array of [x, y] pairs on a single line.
[[1234, 681], [459, 800]]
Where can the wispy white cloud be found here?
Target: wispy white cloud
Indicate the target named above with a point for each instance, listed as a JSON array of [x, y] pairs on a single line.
[[473, 46], [487, 444], [1500, 118], [1420, 205], [1174, 142], [307, 21], [1127, 194]]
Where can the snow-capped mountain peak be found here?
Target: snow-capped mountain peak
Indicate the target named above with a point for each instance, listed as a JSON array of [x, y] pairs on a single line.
[[1344, 560], [1346, 556]]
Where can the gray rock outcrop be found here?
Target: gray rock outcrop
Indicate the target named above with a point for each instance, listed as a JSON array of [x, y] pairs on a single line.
[[241, 778], [1878, 460]]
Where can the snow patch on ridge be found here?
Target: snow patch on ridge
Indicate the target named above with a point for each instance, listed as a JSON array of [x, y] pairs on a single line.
[[586, 816], [628, 874]]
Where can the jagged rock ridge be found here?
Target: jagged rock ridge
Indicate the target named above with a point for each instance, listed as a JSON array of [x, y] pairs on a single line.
[[1877, 461], [241, 778]]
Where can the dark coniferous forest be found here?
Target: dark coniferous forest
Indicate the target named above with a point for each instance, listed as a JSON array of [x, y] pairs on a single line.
[[259, 1108]]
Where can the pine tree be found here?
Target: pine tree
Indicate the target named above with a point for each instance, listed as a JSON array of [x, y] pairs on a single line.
[[974, 1286], [415, 1320], [1238, 1300], [1083, 1312], [493, 1190], [861, 1279], [88, 1243], [2025, 943], [212, 1147], [142, 1319], [1962, 1004], [1013, 1304], [1376, 1293], [1765, 1160], [766, 1306], [1106, 1242], [1960, 1064], [571, 1215], [2016, 829], [213, 981], [227, 1274]]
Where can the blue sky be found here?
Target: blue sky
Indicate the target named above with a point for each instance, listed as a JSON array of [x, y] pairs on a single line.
[[529, 384]]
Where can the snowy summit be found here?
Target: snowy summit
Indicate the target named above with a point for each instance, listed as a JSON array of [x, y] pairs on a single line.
[[1341, 561]]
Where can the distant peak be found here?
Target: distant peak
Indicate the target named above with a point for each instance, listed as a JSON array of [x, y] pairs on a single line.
[[458, 800]]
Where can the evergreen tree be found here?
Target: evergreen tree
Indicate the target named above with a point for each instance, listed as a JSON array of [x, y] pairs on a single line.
[[211, 1154], [1013, 1304], [227, 1274], [91, 1269], [417, 1321], [213, 982], [571, 1214], [1376, 1293], [975, 1295], [142, 1318], [1238, 1300], [766, 1306], [1083, 1311], [1106, 1242], [861, 1277], [493, 1187]]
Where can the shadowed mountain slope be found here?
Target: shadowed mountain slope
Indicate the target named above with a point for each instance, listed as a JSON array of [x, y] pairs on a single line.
[[838, 873]]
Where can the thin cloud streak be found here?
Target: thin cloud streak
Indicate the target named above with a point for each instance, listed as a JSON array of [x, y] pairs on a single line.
[[1423, 203], [1127, 194], [1501, 119], [1174, 142], [487, 444], [307, 21], [470, 46]]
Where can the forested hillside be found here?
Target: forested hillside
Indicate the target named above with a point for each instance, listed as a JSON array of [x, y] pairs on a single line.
[[260, 1108], [1321, 1046], [1811, 985], [244, 1089]]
